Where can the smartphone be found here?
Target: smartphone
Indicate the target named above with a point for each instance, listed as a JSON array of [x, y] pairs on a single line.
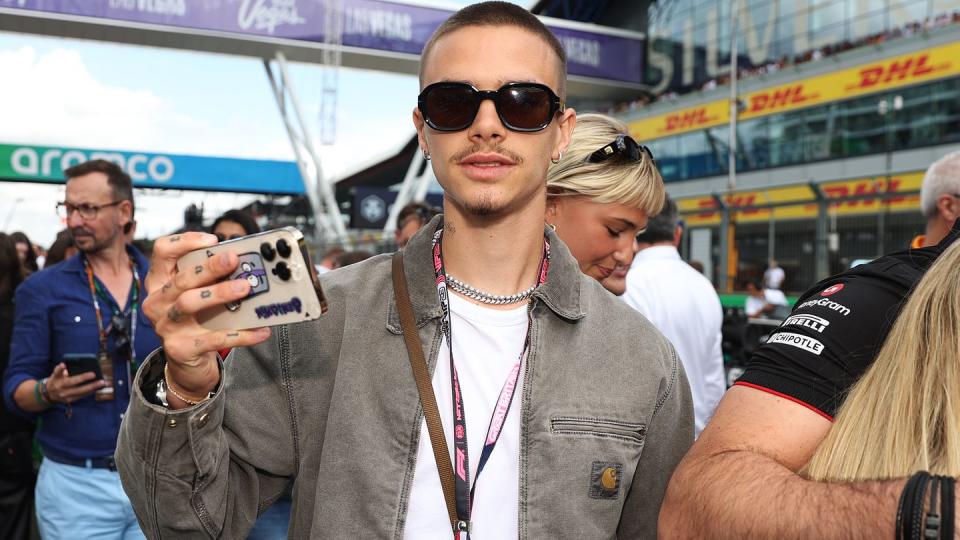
[[284, 287], [79, 363]]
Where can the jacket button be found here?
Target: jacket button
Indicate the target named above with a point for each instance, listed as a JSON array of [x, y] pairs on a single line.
[[609, 478], [202, 420], [172, 422]]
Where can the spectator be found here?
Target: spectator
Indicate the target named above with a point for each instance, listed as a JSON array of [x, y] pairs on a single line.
[[763, 302], [903, 416], [683, 305], [771, 422], [62, 249], [26, 253], [352, 257], [697, 265], [599, 195], [940, 199], [329, 260], [410, 219], [774, 276], [16, 433], [88, 305], [234, 224]]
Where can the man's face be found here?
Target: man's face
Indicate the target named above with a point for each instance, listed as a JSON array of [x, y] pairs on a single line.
[[407, 230], [486, 169], [94, 234]]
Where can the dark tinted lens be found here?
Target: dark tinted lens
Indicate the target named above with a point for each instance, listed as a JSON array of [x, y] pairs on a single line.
[[633, 149], [524, 107], [451, 107]]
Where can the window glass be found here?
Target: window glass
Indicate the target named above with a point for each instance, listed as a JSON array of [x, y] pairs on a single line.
[[862, 130], [754, 144], [668, 159], [786, 131]]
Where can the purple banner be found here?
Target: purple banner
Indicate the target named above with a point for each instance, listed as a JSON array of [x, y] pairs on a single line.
[[371, 24]]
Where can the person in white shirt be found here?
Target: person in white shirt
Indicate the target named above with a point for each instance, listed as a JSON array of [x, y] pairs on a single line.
[[774, 276], [764, 302], [683, 305], [599, 197]]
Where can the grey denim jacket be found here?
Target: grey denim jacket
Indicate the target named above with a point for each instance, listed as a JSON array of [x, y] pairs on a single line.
[[330, 408]]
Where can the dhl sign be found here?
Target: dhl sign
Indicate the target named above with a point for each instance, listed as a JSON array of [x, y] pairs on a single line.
[[891, 73], [853, 197], [693, 119]]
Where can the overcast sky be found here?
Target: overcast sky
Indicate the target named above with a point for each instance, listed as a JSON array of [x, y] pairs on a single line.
[[65, 92]]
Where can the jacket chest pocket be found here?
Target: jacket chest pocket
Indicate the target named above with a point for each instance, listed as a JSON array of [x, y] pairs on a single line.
[[628, 432]]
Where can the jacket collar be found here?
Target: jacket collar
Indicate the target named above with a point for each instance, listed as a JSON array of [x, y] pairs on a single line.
[[561, 292]]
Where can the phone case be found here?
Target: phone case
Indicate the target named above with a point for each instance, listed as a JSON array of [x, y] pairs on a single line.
[[82, 363], [284, 287]]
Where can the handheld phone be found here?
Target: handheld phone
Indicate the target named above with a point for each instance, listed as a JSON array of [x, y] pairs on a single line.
[[81, 363], [284, 287]]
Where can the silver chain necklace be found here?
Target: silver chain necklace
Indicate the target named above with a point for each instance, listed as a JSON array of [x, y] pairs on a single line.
[[487, 298]]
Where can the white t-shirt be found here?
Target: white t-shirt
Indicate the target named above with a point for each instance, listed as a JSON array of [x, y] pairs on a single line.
[[753, 305], [774, 277], [486, 345]]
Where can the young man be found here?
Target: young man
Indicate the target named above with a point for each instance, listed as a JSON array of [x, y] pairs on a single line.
[[92, 305], [599, 410], [742, 472]]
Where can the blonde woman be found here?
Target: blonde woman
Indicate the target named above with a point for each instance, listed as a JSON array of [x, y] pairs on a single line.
[[599, 196], [903, 416]]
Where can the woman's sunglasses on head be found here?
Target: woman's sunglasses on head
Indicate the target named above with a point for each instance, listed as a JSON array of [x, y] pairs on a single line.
[[623, 148], [521, 106]]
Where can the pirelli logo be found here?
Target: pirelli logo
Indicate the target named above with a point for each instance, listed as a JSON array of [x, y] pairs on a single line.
[[812, 322]]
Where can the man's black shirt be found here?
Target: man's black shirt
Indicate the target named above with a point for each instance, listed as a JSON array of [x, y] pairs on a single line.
[[837, 328]]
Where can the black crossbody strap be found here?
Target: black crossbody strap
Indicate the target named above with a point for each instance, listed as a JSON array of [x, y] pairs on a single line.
[[421, 374]]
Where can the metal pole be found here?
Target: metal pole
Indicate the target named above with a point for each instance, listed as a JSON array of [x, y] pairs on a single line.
[[822, 254], [724, 275]]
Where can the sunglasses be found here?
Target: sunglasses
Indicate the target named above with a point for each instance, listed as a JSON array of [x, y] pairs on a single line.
[[623, 147], [521, 106], [119, 326]]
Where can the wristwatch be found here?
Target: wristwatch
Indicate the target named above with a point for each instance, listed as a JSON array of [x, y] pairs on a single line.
[[162, 393]]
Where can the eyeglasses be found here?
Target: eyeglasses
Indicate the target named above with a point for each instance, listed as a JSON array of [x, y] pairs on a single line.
[[624, 147], [87, 211], [521, 106]]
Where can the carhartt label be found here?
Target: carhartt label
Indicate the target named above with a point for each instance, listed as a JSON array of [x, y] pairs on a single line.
[[796, 340], [810, 321]]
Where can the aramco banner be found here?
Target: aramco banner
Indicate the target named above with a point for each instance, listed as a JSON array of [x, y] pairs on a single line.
[[149, 170], [371, 24]]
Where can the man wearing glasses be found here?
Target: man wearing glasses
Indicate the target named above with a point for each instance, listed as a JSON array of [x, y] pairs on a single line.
[[79, 335], [562, 411]]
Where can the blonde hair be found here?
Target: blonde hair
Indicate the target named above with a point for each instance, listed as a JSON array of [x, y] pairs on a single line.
[[901, 417], [631, 183]]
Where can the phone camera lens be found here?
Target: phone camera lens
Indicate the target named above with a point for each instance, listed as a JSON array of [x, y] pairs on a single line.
[[282, 271], [267, 251], [283, 248]]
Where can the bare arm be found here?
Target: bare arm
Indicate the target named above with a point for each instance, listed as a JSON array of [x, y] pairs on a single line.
[[739, 479], [61, 388]]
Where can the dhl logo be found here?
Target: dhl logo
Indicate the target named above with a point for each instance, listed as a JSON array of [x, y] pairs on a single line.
[[908, 68], [686, 119], [778, 99], [864, 189], [743, 203]]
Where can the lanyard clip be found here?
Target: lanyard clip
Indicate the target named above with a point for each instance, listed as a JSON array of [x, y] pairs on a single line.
[[463, 526]]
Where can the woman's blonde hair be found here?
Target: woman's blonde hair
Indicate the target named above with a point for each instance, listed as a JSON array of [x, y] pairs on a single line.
[[631, 183], [901, 417]]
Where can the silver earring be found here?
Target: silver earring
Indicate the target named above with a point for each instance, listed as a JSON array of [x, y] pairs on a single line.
[[559, 157], [552, 227], [426, 155]]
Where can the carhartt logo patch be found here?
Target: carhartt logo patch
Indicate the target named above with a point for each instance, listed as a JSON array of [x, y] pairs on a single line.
[[605, 480]]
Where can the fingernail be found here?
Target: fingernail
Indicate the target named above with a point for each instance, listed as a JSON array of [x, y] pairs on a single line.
[[210, 238], [263, 332], [239, 286]]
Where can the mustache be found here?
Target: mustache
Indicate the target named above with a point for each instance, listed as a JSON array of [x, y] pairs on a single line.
[[477, 148], [83, 231]]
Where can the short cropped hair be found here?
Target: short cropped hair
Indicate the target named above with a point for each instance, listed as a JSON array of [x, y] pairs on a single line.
[[661, 227], [632, 183], [119, 181], [942, 178], [500, 14]]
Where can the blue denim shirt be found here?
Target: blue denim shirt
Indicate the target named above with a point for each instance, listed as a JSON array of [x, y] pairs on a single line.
[[55, 316]]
